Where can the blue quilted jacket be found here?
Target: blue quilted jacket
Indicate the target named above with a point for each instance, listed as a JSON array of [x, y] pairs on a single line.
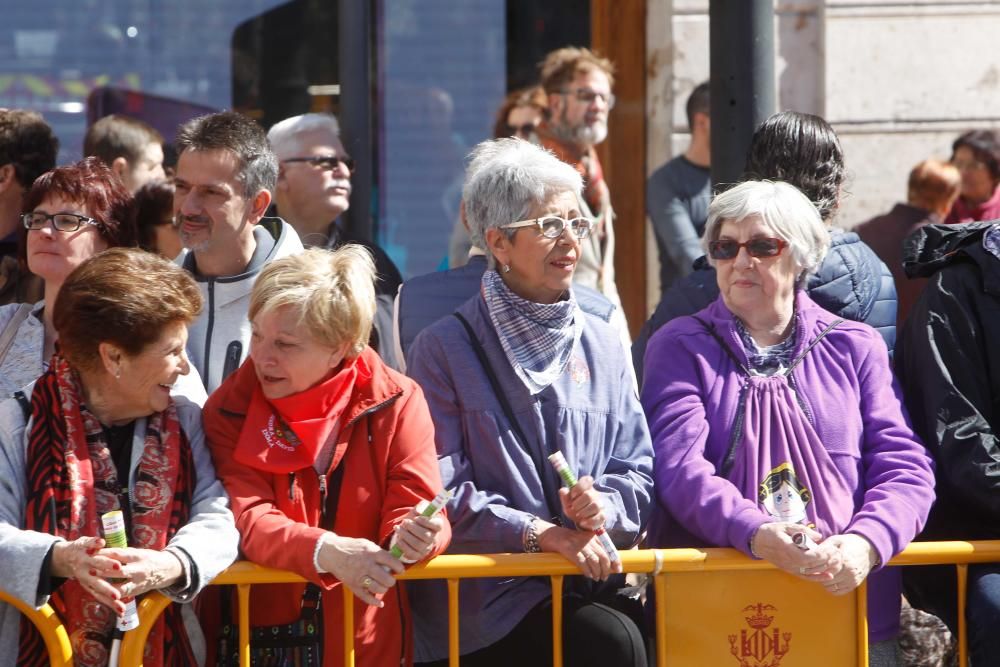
[[852, 282]]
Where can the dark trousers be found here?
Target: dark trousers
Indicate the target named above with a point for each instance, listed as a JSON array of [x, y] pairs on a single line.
[[593, 634]]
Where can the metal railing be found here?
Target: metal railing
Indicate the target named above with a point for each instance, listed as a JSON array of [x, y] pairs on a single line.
[[659, 563]]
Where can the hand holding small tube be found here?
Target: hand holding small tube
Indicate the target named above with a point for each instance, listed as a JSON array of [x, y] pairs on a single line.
[[416, 535], [583, 504]]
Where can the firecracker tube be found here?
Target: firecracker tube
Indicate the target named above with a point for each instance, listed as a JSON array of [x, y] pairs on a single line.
[[558, 462], [429, 510], [116, 538]]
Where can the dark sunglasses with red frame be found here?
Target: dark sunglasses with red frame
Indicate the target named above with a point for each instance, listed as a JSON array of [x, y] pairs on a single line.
[[759, 248]]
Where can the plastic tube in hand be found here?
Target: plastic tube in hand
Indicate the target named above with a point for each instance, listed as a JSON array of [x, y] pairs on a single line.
[[116, 538], [429, 510], [803, 541], [558, 462]]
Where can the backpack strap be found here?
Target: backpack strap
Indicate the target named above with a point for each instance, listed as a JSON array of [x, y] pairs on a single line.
[[725, 347], [10, 331], [552, 504], [811, 345]]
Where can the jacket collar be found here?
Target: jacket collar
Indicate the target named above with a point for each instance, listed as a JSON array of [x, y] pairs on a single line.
[[722, 320], [380, 391]]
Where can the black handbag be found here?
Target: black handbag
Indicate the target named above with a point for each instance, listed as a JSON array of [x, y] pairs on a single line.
[[297, 644]]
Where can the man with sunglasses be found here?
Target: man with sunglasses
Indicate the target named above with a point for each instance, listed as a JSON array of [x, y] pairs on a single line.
[[314, 188], [578, 84], [313, 191]]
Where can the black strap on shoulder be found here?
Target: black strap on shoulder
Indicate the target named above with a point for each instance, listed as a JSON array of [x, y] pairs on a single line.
[[728, 350], [25, 404], [522, 440], [811, 345]]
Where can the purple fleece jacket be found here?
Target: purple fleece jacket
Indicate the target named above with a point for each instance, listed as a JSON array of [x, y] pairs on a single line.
[[691, 397]]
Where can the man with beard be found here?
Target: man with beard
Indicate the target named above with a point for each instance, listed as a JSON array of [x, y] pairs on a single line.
[[578, 85], [226, 173], [313, 190]]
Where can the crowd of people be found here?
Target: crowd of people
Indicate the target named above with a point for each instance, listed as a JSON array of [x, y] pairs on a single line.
[[217, 357]]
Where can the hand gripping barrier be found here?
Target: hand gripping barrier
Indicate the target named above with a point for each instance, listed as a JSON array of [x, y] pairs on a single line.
[[745, 623]]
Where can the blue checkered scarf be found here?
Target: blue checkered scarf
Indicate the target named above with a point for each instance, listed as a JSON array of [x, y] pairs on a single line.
[[538, 338]]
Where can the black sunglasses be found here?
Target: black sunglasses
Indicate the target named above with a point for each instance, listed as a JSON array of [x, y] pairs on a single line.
[[525, 130], [762, 247], [326, 161]]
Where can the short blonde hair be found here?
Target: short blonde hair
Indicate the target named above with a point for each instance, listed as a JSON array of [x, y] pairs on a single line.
[[333, 292]]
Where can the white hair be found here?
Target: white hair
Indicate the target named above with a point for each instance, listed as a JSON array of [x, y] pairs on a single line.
[[506, 179], [284, 134], [783, 208]]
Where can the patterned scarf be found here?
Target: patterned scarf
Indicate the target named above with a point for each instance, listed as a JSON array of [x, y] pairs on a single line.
[[538, 338], [72, 481]]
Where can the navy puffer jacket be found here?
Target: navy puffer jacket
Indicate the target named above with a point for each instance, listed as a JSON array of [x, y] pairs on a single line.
[[852, 282]]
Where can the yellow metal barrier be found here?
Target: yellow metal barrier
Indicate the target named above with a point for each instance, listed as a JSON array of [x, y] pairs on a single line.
[[661, 563], [52, 630]]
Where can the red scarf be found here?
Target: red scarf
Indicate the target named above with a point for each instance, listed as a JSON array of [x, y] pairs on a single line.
[[283, 435], [72, 481]]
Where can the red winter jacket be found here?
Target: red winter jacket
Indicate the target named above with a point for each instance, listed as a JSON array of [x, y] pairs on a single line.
[[386, 443]]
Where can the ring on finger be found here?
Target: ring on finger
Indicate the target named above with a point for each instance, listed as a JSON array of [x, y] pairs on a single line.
[[366, 583], [802, 570]]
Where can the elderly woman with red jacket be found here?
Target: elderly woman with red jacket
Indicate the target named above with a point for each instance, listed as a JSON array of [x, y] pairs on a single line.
[[325, 452]]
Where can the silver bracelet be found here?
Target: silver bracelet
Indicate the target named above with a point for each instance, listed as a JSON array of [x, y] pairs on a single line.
[[531, 545]]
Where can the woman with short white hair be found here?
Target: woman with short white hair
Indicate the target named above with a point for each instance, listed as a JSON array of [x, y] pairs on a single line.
[[772, 418], [519, 373]]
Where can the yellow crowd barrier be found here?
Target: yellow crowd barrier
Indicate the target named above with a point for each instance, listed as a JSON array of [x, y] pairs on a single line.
[[751, 637]]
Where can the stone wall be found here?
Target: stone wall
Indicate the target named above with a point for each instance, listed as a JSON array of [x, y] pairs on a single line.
[[897, 80]]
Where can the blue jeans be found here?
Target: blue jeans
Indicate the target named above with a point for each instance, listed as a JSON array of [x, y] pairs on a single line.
[[935, 589]]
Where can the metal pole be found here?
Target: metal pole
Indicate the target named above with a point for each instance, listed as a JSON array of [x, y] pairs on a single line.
[[354, 51], [741, 35]]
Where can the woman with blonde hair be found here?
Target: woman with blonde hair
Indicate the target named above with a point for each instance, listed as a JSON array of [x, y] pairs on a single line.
[[325, 451]]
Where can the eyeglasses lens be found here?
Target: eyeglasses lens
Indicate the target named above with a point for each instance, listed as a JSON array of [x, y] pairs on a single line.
[[729, 249]]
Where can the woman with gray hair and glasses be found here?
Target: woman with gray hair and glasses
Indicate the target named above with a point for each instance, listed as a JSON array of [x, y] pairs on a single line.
[[774, 420], [519, 373]]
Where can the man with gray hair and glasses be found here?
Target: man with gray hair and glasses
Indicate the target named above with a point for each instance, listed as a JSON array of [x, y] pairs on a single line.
[[226, 173], [314, 188]]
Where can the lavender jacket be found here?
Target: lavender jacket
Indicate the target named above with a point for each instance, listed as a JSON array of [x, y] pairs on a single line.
[[691, 397], [591, 413]]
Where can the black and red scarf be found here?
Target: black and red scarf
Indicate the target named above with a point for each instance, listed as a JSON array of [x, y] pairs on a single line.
[[72, 481]]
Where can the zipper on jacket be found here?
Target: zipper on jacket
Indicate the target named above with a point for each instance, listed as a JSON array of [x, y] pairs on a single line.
[[322, 495], [210, 288]]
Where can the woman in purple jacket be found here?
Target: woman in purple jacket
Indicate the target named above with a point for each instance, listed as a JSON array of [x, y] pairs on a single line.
[[770, 416]]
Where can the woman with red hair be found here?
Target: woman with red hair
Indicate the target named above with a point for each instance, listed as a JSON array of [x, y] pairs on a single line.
[[70, 214]]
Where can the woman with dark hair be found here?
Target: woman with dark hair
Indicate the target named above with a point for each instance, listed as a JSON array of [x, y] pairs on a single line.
[[99, 432], [976, 154], [70, 214], [852, 282], [154, 214], [521, 112]]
